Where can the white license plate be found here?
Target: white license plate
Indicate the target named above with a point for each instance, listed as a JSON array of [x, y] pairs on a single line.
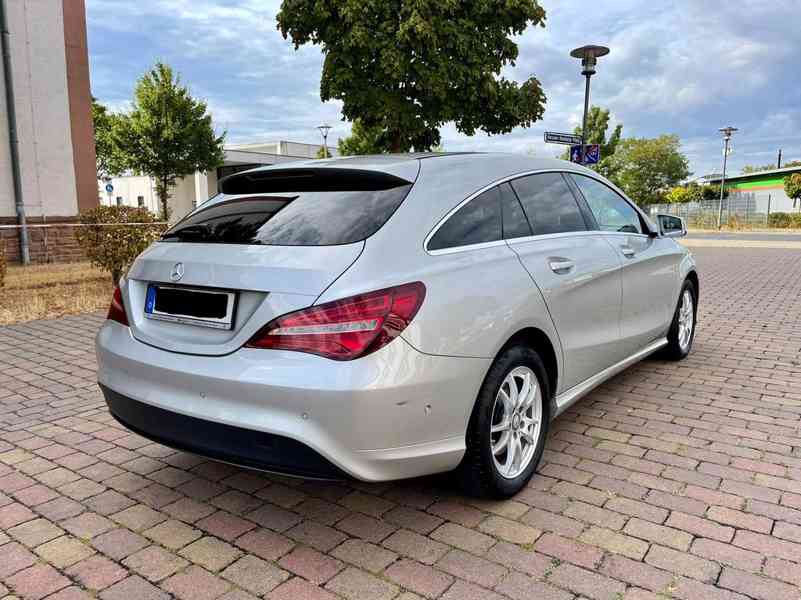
[[191, 306]]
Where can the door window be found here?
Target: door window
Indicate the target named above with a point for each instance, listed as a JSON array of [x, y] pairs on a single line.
[[611, 210], [477, 222], [515, 224], [549, 204]]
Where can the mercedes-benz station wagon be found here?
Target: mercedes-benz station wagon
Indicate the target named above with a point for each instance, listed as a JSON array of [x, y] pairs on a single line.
[[385, 317]]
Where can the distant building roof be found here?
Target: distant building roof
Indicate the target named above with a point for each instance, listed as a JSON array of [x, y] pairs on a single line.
[[759, 175]]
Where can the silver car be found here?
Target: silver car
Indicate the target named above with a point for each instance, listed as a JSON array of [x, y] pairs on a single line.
[[392, 316]]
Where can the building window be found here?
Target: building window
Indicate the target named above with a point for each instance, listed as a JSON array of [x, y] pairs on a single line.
[[140, 201], [119, 200]]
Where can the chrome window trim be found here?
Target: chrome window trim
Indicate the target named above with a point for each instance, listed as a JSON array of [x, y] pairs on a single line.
[[551, 236], [489, 186]]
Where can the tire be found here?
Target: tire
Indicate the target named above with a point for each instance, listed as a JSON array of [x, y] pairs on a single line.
[[483, 473], [679, 341]]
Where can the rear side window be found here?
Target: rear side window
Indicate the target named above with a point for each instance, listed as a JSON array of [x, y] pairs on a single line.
[[515, 224], [611, 210], [476, 222], [302, 218], [549, 204]]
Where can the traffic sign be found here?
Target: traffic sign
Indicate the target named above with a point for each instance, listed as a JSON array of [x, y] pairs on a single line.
[[109, 188], [552, 137], [592, 154]]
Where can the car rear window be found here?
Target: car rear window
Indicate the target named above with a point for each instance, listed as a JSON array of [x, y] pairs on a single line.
[[301, 218]]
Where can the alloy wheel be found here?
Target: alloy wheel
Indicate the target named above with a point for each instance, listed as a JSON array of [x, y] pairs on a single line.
[[516, 422], [686, 320]]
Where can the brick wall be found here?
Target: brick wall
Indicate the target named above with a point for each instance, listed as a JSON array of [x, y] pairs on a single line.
[[52, 244]]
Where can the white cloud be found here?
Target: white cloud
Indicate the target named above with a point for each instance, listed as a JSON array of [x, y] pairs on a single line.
[[687, 67]]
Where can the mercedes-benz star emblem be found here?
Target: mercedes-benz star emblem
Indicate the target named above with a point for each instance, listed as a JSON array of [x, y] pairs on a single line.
[[177, 272]]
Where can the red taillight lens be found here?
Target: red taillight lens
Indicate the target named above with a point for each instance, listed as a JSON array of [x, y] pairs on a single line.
[[345, 329], [116, 312]]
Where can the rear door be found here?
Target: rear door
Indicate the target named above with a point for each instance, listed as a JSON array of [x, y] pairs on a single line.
[[271, 246], [649, 267], [577, 272]]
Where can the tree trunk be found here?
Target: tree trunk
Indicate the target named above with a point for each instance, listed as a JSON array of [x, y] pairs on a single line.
[[115, 277], [395, 144], [164, 197]]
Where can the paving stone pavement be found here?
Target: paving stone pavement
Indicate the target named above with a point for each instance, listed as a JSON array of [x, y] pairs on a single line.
[[672, 480]]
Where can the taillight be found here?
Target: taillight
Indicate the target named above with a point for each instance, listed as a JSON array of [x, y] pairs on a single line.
[[116, 312], [344, 329]]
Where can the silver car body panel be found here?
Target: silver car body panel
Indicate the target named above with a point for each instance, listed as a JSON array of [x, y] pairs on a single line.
[[403, 410]]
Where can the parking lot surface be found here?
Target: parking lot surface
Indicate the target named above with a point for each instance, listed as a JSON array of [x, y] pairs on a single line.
[[672, 480]]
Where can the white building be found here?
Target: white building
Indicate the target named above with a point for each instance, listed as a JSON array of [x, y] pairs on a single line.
[[137, 190], [52, 111]]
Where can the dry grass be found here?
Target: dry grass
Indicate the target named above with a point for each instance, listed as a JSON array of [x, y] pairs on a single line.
[[51, 291]]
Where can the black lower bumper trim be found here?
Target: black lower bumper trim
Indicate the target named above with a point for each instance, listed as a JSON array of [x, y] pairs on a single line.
[[236, 445]]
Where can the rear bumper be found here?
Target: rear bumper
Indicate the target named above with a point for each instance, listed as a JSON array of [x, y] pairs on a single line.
[[245, 447], [393, 414]]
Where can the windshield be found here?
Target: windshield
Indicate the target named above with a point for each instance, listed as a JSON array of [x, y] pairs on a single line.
[[306, 218]]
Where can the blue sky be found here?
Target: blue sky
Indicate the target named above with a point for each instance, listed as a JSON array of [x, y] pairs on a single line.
[[685, 67]]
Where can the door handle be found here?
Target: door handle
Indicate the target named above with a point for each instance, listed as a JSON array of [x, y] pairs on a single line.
[[561, 265], [627, 251]]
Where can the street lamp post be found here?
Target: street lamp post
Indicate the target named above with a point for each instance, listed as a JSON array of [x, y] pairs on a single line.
[[324, 129], [726, 131], [589, 58]]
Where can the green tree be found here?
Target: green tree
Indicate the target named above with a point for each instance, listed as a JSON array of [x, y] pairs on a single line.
[[406, 68], [597, 126], [755, 169], [646, 168], [109, 159], [362, 140], [792, 187], [168, 134]]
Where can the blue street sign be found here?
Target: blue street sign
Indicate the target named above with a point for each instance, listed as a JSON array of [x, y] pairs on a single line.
[[592, 154], [109, 188]]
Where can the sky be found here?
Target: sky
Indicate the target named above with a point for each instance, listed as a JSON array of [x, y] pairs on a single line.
[[683, 67]]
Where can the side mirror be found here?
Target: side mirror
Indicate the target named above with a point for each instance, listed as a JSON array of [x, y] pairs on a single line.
[[670, 226]]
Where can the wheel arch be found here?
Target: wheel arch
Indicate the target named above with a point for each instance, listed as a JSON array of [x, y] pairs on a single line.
[[692, 275], [538, 340]]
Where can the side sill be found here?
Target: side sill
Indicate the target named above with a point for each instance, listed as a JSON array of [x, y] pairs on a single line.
[[567, 398]]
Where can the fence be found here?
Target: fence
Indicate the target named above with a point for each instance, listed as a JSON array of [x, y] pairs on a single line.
[[740, 210]]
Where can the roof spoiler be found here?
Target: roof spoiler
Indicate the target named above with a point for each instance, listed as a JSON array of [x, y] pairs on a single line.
[[263, 181]]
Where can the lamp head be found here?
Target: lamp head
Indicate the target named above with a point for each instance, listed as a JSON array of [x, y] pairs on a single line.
[[589, 57]]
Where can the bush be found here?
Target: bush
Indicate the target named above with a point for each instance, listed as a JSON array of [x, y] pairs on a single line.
[[783, 220], [2, 263], [110, 240]]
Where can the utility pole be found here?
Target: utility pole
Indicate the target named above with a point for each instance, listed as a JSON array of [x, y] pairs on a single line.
[[589, 58], [726, 131], [19, 204], [779, 161]]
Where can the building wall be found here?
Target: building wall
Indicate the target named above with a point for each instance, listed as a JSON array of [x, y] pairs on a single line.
[[39, 67], [129, 189]]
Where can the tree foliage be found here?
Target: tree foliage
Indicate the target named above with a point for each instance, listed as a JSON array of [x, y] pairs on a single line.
[[405, 68], [597, 126], [646, 168], [792, 187], [168, 134], [362, 140], [110, 241], [109, 159], [758, 169]]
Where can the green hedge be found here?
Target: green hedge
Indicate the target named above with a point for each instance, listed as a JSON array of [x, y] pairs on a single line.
[[783, 220]]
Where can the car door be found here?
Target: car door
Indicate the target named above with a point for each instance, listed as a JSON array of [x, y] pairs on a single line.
[[577, 272], [649, 265]]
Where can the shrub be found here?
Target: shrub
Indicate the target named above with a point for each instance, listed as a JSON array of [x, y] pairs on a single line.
[[111, 241], [783, 220], [2, 262]]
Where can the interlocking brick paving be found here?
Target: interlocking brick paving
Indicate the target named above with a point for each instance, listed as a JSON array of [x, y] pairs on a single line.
[[672, 480]]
